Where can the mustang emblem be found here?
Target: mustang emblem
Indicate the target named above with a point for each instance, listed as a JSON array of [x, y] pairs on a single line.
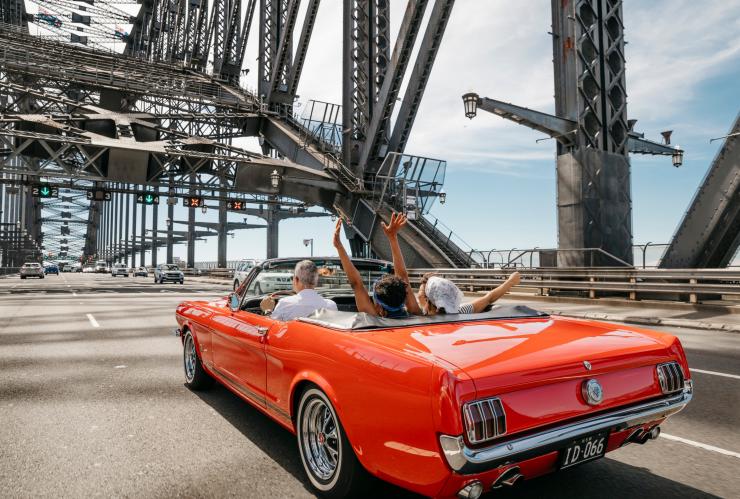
[[592, 392], [587, 365]]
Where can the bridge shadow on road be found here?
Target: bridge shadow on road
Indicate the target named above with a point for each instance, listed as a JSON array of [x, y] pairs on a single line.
[[275, 441], [605, 478]]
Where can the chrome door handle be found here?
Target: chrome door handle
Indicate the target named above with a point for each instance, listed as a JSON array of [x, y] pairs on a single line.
[[262, 330]]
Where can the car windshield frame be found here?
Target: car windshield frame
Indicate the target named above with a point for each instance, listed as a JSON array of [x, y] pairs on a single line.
[[329, 269]]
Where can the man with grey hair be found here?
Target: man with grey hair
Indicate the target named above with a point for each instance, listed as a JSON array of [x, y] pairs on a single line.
[[305, 301]]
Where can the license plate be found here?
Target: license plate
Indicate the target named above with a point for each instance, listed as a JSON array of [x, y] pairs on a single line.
[[584, 449]]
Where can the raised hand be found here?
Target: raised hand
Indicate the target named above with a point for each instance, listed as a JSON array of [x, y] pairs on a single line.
[[398, 220], [337, 241], [515, 278]]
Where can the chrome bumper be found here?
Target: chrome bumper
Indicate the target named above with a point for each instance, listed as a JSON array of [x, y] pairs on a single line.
[[465, 460]]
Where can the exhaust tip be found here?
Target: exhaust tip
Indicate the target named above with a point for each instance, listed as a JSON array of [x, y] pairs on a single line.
[[473, 490], [508, 478], [654, 433]]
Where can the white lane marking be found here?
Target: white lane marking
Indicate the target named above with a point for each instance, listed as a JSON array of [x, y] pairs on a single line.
[[701, 445], [714, 373], [74, 294], [92, 320]]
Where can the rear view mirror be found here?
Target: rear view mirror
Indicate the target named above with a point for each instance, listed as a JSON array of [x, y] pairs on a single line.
[[234, 302]]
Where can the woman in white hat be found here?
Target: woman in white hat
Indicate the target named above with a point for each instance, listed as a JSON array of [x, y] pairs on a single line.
[[441, 296]]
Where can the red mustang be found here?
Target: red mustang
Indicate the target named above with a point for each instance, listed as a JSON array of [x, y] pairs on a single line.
[[450, 405]]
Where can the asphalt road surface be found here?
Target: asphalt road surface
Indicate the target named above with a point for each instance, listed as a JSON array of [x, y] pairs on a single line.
[[92, 404]]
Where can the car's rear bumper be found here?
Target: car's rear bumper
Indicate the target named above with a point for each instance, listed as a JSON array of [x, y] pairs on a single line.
[[466, 460]]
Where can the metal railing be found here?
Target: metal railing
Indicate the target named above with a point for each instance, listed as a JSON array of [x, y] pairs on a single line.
[[690, 285]]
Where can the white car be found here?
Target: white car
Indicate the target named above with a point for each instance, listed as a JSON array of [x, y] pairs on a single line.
[[242, 269], [119, 269], [270, 282], [32, 270], [168, 272]]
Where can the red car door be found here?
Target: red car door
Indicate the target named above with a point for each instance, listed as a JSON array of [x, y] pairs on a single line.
[[238, 344]]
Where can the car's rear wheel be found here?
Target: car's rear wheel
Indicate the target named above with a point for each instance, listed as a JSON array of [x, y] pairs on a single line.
[[327, 456], [196, 378]]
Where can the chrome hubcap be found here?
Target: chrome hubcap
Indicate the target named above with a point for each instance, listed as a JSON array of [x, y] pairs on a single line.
[[320, 438], [190, 358]]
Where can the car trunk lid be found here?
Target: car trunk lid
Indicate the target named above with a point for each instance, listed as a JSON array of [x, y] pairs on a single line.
[[537, 366]]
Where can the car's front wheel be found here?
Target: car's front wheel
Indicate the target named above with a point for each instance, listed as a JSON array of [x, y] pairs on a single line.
[[196, 378], [327, 456]]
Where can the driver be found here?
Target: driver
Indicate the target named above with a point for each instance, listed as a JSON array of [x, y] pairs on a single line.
[[306, 300]]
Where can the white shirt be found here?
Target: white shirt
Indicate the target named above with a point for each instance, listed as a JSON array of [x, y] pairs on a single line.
[[302, 304]]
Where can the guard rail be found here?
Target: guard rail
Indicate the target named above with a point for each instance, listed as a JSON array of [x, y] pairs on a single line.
[[676, 284]]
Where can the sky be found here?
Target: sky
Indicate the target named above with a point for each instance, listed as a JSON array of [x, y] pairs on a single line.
[[683, 74]]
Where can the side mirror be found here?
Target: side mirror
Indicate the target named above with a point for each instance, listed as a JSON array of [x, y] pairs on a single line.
[[234, 302]]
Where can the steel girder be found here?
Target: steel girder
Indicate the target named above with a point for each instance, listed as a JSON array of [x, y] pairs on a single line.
[[366, 50], [13, 12], [588, 44], [420, 74], [708, 235]]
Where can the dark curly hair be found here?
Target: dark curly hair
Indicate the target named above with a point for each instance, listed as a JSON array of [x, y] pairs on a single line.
[[391, 290]]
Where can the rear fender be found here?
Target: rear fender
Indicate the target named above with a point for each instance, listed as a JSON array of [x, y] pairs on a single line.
[[296, 387]]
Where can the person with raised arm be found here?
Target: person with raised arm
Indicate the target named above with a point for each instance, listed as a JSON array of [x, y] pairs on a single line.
[[398, 220], [389, 292]]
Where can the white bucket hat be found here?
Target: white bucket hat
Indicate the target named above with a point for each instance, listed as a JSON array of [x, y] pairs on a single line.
[[443, 293]]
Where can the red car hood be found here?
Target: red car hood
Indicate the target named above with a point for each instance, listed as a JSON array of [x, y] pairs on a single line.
[[527, 352]]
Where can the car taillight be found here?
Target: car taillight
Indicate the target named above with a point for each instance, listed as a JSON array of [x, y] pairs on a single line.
[[484, 420], [670, 376]]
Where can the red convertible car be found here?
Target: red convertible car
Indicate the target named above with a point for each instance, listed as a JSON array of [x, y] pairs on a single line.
[[450, 405]]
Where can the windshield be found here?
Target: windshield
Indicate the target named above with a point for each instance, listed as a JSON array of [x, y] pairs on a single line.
[[279, 276], [170, 267]]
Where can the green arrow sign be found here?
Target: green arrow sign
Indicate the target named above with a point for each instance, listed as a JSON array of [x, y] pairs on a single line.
[[45, 191], [149, 198]]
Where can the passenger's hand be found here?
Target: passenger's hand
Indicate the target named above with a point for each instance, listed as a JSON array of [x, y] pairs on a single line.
[[515, 278], [398, 220], [337, 230], [267, 304]]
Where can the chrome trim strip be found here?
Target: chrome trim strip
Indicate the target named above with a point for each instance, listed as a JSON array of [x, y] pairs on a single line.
[[466, 460]]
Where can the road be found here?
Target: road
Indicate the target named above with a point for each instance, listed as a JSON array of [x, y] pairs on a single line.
[[92, 403]]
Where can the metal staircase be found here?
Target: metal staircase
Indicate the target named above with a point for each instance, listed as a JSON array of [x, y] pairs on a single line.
[[444, 241]]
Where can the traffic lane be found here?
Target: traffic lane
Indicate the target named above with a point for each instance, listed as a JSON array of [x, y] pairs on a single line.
[[109, 415], [160, 382], [713, 416]]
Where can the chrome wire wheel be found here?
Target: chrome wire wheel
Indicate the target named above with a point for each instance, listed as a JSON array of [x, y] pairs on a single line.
[[190, 358], [320, 441]]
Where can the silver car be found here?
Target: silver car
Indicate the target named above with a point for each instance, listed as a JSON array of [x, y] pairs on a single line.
[[168, 272], [242, 269], [32, 270], [119, 269]]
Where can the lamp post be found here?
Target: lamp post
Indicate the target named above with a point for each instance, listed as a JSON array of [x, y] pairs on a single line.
[[442, 197], [275, 179], [677, 156], [307, 242], [470, 101]]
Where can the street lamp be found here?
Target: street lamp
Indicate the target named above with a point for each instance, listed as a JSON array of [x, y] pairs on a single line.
[[677, 156], [306, 242], [470, 101], [169, 222], [442, 197], [204, 210], [275, 179]]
